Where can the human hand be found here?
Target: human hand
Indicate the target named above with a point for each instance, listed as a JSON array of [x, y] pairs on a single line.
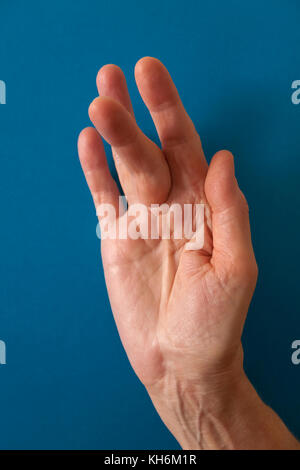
[[179, 312]]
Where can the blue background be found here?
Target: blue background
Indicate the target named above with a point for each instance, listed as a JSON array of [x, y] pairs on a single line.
[[67, 383]]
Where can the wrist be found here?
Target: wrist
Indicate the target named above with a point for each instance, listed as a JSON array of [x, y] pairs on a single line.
[[192, 409], [227, 415]]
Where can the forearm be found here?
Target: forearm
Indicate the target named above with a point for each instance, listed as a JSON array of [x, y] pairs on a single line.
[[232, 418]]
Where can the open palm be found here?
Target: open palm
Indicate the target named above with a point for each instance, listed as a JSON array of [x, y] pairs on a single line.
[[179, 312]]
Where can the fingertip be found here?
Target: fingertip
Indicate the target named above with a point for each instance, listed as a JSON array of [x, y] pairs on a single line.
[[95, 168], [84, 133], [221, 165], [144, 63], [109, 74], [150, 69], [224, 159], [90, 148], [155, 84], [102, 109], [88, 136], [111, 82], [83, 138], [112, 121], [220, 183], [93, 107]]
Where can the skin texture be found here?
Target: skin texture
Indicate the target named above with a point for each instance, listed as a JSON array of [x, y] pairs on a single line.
[[179, 313]]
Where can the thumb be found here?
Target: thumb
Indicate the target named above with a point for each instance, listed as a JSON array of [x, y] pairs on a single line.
[[232, 246]]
